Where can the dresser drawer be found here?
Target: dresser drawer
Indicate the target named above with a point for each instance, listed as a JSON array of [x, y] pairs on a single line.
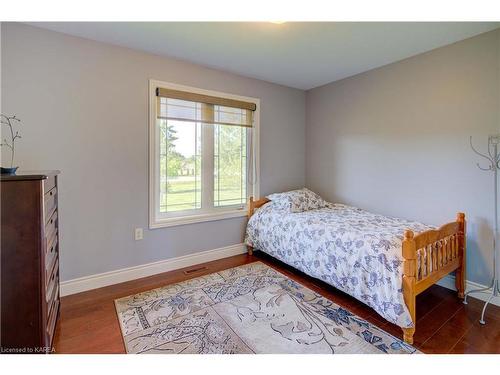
[[51, 253], [52, 299], [51, 226], [54, 294], [51, 322], [49, 183], [50, 203], [51, 277]]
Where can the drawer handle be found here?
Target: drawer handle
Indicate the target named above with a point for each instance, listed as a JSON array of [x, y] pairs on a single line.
[[51, 221], [52, 249], [51, 192]]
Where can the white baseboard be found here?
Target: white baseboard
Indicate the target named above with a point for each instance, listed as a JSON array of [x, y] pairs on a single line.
[[449, 283], [100, 280]]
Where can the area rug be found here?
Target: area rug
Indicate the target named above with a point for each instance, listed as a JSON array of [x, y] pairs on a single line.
[[247, 309]]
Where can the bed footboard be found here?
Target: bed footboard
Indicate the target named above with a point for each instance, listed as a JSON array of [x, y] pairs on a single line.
[[429, 256]]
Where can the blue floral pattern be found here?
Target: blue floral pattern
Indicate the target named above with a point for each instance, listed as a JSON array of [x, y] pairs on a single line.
[[349, 248], [247, 309], [298, 200]]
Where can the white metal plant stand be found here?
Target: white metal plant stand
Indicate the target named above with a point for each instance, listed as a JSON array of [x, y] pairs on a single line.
[[494, 159]]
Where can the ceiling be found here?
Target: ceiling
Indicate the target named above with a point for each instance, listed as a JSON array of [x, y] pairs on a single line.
[[301, 55]]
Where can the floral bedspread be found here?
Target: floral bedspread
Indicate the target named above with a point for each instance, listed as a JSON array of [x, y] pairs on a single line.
[[349, 248]]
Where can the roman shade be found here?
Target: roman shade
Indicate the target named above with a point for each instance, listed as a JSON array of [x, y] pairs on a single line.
[[179, 105]]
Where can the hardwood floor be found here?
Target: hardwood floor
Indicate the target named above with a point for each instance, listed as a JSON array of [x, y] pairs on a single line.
[[88, 322]]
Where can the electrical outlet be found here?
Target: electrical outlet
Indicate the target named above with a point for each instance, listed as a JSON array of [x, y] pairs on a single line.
[[139, 235]]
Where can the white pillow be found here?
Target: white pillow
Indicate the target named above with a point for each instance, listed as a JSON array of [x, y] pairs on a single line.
[[298, 200]]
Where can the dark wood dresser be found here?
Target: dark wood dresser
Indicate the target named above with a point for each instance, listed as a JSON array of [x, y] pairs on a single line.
[[30, 262]]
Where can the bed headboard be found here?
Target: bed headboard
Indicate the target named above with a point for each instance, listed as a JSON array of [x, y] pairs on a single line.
[[253, 204]]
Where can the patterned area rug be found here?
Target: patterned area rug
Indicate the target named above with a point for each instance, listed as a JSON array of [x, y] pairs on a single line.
[[247, 309]]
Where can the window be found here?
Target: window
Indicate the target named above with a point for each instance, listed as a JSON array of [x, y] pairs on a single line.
[[203, 154]]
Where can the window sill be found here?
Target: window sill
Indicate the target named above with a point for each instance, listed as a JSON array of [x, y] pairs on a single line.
[[192, 219]]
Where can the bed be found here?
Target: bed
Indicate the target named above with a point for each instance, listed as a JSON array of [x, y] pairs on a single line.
[[382, 261]]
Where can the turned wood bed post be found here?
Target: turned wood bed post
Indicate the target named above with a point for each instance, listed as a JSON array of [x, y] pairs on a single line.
[[409, 278], [460, 272], [252, 206]]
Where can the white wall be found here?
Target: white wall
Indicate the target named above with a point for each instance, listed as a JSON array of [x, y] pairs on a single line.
[[84, 111], [395, 140]]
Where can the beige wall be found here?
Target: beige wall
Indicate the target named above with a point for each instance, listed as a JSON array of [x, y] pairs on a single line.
[[394, 140], [84, 111]]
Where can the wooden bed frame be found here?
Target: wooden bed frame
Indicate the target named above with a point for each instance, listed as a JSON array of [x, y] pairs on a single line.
[[441, 251]]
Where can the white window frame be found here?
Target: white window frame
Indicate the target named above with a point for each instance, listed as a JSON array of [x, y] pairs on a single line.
[[157, 220]]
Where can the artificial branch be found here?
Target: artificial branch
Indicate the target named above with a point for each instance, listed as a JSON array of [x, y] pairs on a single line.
[[7, 121]]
